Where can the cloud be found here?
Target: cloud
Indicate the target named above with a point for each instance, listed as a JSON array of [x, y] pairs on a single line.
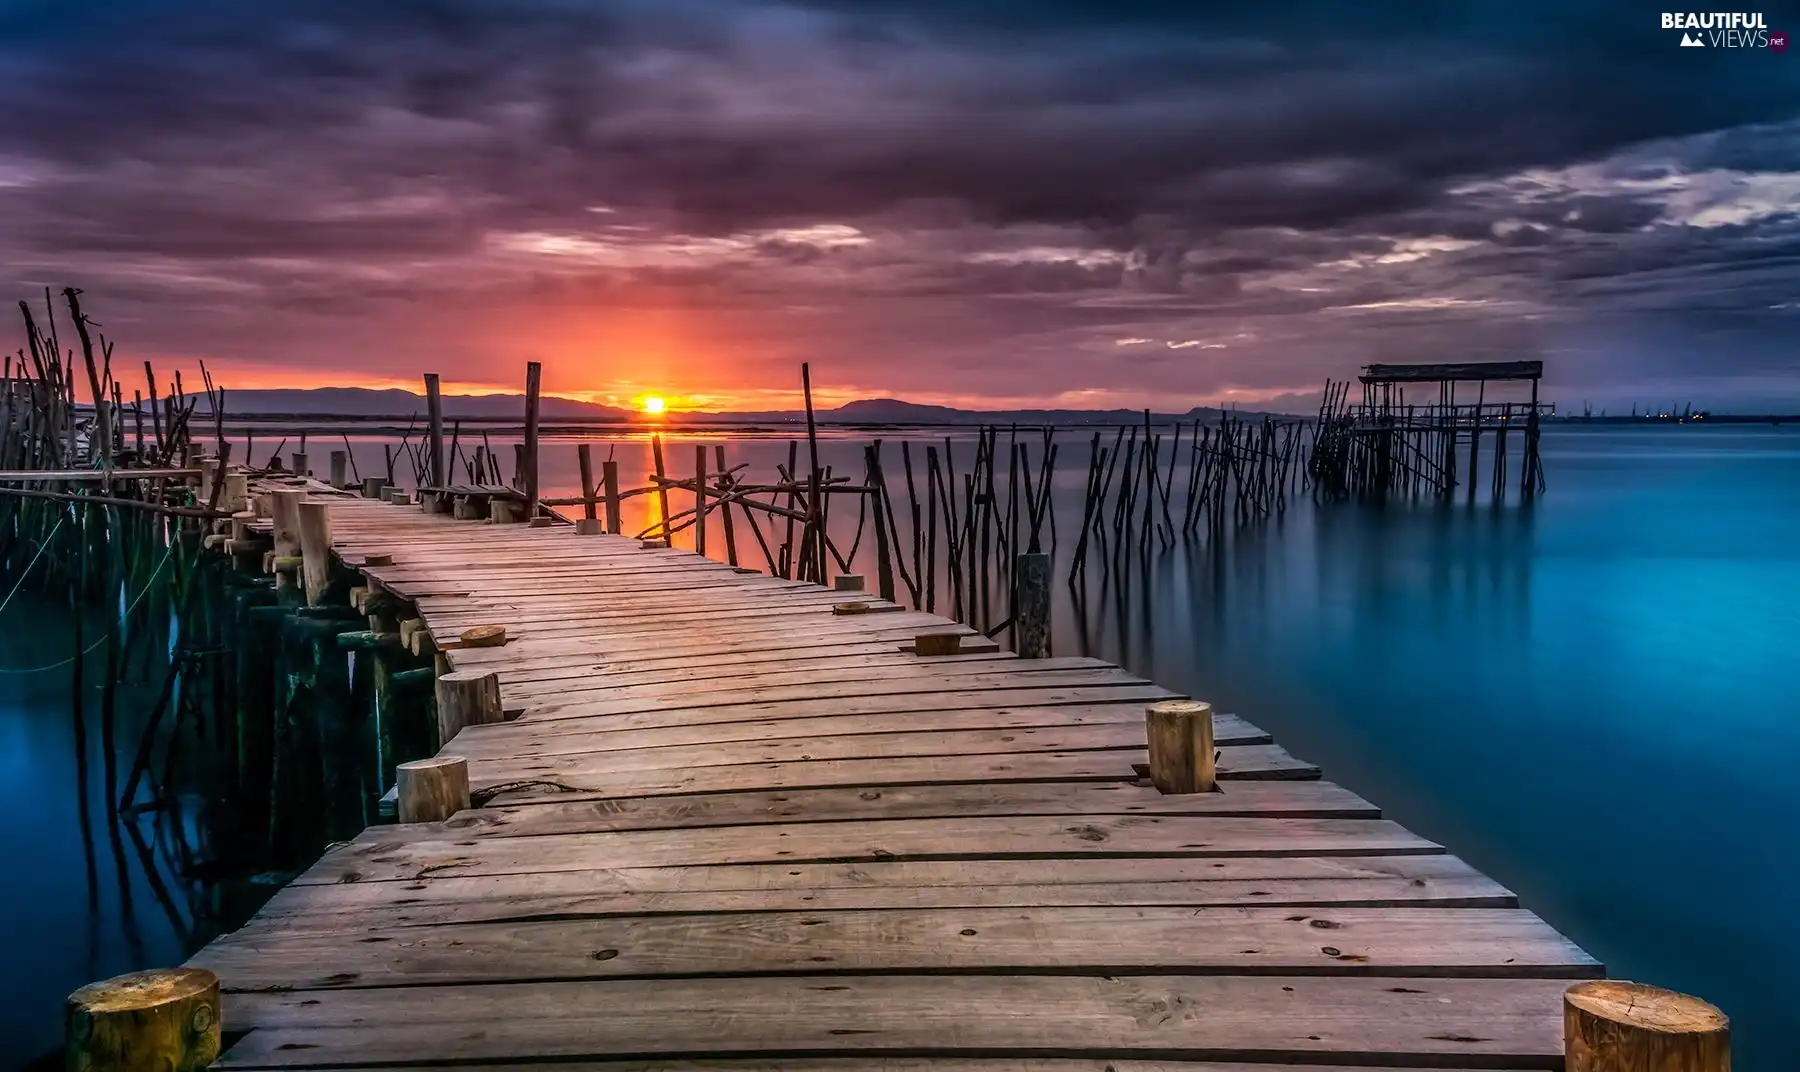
[[903, 192]]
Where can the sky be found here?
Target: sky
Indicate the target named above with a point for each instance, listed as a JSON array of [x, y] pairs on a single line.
[[987, 203]]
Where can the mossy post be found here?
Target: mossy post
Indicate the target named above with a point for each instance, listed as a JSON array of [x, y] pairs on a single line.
[[166, 1020]]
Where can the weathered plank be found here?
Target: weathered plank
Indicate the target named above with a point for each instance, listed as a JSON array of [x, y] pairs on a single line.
[[993, 837], [1496, 1023]]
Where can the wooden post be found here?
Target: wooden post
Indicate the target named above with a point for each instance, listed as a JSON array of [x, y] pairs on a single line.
[[700, 498], [586, 458], [340, 468], [847, 582], [466, 698], [302, 466], [1181, 746], [726, 481], [662, 488], [374, 487], [315, 549], [284, 509], [1031, 604], [434, 415], [432, 790], [1610, 1025], [528, 481], [166, 1019], [609, 472]]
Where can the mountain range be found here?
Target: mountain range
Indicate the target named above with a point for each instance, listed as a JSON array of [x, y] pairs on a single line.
[[361, 402]]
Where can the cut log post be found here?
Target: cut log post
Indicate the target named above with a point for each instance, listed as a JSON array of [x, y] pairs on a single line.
[[340, 468], [315, 549], [847, 582], [503, 511], [237, 492], [166, 1019], [240, 525], [399, 496], [654, 545], [934, 644], [857, 607], [609, 475], [432, 790], [434, 431], [1031, 605], [588, 526], [374, 486], [1610, 1025], [284, 508], [584, 457], [302, 465], [482, 636], [467, 698], [1180, 735]]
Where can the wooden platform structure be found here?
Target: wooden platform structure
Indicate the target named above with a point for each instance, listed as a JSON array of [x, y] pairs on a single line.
[[727, 828]]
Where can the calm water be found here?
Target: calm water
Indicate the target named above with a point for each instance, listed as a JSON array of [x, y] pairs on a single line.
[[1596, 701]]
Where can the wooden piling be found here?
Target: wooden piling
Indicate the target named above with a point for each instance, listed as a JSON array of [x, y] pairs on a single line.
[[528, 478], [166, 1019], [373, 487], [434, 416], [1031, 606], [432, 790], [937, 644], [700, 498], [1610, 1025], [585, 456], [609, 475], [466, 698], [284, 510], [1180, 736], [340, 468], [315, 549]]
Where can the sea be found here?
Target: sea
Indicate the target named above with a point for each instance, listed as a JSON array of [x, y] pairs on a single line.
[[1593, 697]]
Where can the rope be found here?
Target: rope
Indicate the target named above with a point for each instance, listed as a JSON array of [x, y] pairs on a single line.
[[42, 547], [168, 552]]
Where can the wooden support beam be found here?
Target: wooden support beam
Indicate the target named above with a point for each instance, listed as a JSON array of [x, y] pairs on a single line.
[[466, 698], [315, 549], [432, 790], [528, 479], [1610, 1025], [163, 1019], [434, 417], [1180, 735]]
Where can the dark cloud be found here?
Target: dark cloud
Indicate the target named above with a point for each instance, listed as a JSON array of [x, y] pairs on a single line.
[[1047, 177]]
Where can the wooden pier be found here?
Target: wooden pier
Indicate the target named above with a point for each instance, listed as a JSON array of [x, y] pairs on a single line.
[[726, 825]]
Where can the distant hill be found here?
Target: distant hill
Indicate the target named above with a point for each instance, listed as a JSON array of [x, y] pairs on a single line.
[[397, 403]]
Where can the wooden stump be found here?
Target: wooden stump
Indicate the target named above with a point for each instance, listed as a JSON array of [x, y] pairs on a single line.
[[653, 545], [237, 491], [432, 790], [1610, 1025], [399, 496], [588, 526], [933, 644], [467, 698], [857, 607], [847, 582], [340, 468], [373, 486], [1180, 735], [166, 1020]]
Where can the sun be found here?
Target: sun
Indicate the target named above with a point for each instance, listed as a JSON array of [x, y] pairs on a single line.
[[654, 405]]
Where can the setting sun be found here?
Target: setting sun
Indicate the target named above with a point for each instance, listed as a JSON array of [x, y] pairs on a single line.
[[654, 405]]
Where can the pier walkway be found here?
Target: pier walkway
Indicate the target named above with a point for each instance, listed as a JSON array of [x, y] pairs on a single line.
[[736, 830]]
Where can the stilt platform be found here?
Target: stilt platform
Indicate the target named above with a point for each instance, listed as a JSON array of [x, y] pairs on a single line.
[[723, 827]]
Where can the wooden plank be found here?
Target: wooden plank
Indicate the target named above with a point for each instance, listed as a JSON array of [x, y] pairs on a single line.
[[524, 738], [1406, 942], [796, 703], [372, 858], [1280, 881], [1246, 762], [1495, 1023], [892, 1064]]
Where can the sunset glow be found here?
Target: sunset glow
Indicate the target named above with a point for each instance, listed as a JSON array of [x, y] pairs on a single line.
[[654, 405]]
